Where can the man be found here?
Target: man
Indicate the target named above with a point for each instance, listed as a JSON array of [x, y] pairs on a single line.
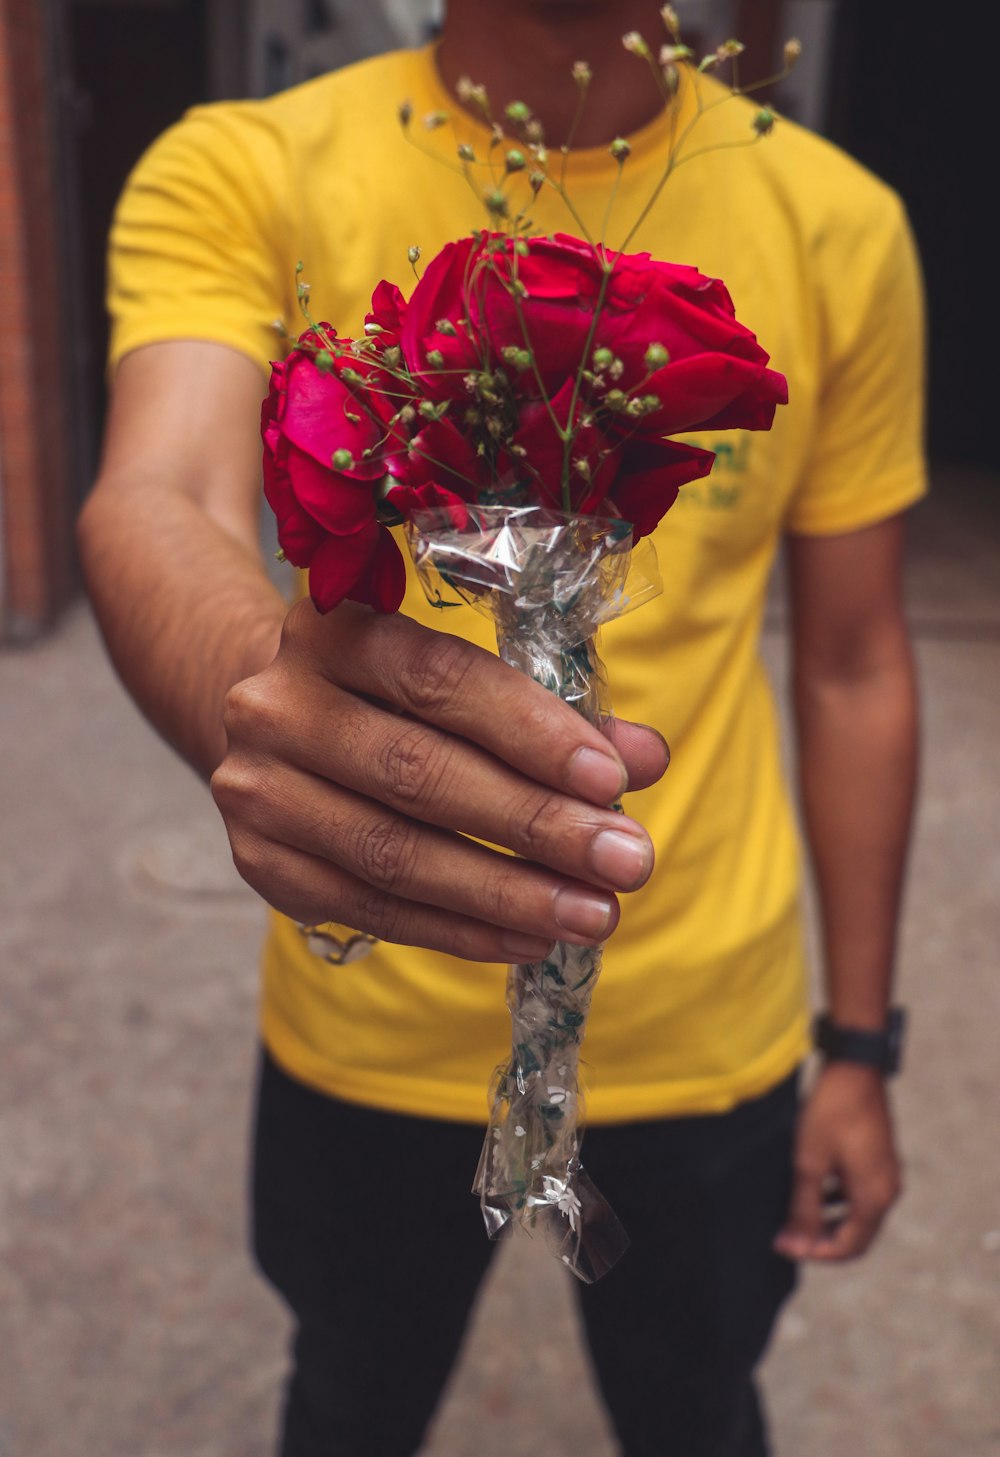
[[352, 756]]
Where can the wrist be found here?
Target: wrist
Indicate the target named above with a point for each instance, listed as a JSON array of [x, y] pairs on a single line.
[[877, 1049]]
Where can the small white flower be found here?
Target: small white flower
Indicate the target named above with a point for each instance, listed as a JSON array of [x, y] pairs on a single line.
[[518, 1131]]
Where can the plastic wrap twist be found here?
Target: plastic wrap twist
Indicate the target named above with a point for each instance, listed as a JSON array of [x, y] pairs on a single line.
[[549, 582]]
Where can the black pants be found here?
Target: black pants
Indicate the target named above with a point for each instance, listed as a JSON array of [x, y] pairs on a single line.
[[675, 1329]]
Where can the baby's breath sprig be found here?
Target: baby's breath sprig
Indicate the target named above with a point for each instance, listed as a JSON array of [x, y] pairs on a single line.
[[517, 155]]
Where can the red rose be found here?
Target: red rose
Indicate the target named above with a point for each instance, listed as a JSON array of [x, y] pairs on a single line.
[[326, 516], [444, 295], [716, 375]]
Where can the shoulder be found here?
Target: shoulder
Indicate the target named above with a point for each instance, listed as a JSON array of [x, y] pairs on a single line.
[[274, 137], [797, 178]]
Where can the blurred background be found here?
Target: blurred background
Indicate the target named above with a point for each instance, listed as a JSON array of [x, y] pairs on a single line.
[[130, 1319]]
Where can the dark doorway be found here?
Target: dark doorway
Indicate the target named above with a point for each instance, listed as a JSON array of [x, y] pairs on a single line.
[[129, 68], [916, 114]]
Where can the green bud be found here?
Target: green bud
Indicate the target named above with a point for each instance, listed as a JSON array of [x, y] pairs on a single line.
[[656, 356], [428, 410], [518, 112], [351, 376], [602, 358], [393, 356], [764, 121], [413, 253], [350, 415], [671, 20], [515, 161], [634, 42], [324, 362], [466, 153], [496, 204], [435, 119], [620, 149], [519, 358], [616, 400], [536, 181], [435, 358], [445, 327], [729, 49], [279, 556], [521, 248], [343, 459], [582, 468]]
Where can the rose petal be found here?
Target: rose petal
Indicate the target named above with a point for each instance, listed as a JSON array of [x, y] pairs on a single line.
[[382, 582], [339, 564], [651, 475]]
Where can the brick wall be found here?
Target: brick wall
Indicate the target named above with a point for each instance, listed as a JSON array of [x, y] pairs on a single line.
[[36, 535]]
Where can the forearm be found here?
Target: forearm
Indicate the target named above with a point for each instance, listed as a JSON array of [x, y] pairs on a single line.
[[186, 610], [857, 732]]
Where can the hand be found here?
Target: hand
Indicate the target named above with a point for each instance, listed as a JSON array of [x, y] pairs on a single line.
[[364, 755], [845, 1154]]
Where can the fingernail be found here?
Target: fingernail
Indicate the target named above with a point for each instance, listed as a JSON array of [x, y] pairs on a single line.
[[583, 912], [624, 859], [596, 776], [524, 948]]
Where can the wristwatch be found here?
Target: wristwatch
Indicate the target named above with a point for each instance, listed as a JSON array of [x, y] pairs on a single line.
[[881, 1050]]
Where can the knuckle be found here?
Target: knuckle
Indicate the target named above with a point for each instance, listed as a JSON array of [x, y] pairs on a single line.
[[385, 852], [410, 765], [499, 897], [883, 1193], [246, 709], [252, 860], [233, 787], [380, 915], [434, 672], [536, 821]]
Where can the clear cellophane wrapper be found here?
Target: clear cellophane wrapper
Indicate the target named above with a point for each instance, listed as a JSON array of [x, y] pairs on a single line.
[[548, 581]]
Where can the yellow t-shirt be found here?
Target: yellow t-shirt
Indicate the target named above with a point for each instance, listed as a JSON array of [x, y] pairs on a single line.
[[701, 1003]]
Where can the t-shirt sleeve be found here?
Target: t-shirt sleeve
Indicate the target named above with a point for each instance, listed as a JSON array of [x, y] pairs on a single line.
[[866, 461], [196, 249]]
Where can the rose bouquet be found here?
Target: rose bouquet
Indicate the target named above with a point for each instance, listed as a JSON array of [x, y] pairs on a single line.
[[514, 414]]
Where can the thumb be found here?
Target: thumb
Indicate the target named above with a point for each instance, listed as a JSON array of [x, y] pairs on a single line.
[[804, 1224]]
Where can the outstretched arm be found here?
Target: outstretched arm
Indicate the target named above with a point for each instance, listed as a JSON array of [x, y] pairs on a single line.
[[355, 759], [856, 715]]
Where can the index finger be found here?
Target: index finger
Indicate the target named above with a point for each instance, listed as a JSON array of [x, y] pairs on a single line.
[[465, 690]]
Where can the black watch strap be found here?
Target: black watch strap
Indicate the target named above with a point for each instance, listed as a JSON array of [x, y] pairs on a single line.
[[882, 1050]]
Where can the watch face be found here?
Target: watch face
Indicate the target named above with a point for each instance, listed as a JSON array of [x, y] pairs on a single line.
[[880, 1050]]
